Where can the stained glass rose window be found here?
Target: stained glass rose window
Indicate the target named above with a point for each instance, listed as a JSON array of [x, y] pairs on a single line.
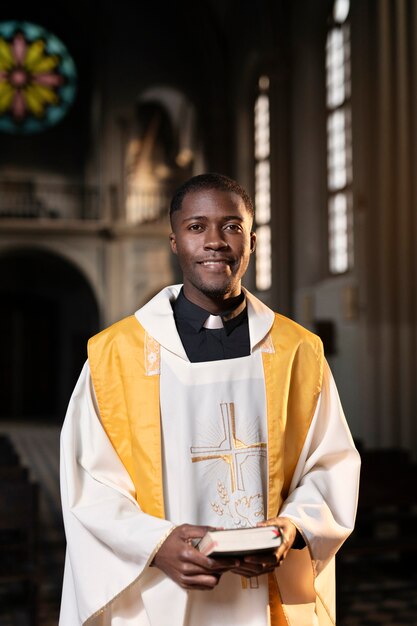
[[38, 78]]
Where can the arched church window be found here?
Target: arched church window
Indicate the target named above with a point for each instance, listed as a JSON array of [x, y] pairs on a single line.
[[262, 186], [339, 140], [38, 78]]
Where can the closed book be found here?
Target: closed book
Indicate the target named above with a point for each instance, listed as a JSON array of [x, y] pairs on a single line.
[[240, 541]]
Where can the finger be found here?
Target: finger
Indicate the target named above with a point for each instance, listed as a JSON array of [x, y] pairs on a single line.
[[268, 562], [192, 557], [219, 566], [189, 531], [192, 554], [224, 563], [199, 581], [191, 570], [193, 562], [275, 521]]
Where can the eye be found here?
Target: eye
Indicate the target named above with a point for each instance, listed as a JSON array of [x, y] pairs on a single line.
[[196, 228], [233, 227]]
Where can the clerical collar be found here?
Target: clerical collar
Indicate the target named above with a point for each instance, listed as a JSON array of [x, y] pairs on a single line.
[[196, 316]]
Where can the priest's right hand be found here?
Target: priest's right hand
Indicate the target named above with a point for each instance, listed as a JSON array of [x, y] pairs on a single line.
[[180, 560]]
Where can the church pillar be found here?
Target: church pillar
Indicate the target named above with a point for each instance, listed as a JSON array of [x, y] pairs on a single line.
[[391, 226]]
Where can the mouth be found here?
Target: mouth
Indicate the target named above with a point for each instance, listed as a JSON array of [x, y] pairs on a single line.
[[218, 266], [215, 262]]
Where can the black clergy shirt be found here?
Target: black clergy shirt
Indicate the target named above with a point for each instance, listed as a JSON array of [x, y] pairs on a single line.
[[203, 344]]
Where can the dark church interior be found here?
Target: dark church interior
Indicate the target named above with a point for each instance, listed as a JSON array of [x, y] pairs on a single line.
[[105, 109]]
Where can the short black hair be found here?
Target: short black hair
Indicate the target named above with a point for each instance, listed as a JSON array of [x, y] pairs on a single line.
[[211, 180]]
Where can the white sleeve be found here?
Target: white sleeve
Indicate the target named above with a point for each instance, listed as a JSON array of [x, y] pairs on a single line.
[[323, 495], [110, 541]]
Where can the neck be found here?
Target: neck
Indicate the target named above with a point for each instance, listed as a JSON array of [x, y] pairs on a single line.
[[213, 305]]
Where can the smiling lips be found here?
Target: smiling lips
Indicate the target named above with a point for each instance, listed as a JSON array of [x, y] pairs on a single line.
[[216, 263]]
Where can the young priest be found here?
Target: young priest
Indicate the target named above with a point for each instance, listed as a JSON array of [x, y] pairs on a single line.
[[204, 409]]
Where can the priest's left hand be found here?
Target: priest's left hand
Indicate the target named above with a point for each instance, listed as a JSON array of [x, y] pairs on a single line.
[[256, 565]]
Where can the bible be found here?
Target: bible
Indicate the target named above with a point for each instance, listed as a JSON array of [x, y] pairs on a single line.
[[240, 541]]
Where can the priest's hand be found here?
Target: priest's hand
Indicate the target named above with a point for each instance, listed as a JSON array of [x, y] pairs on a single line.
[[189, 568], [265, 563]]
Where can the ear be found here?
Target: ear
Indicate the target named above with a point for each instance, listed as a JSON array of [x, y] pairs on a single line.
[[173, 243], [252, 242]]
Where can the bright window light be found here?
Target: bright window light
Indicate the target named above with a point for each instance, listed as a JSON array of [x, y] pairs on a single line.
[[339, 141], [262, 186]]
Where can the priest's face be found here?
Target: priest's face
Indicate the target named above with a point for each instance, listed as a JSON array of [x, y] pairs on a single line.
[[213, 240]]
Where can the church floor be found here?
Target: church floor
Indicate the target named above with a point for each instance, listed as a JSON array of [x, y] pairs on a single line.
[[368, 599]]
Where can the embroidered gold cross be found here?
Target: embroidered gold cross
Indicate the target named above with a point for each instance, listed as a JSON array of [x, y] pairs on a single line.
[[231, 450]]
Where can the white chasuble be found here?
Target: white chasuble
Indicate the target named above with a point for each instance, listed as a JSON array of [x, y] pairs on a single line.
[[214, 458]]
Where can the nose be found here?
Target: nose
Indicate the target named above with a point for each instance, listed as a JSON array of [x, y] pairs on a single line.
[[215, 239]]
